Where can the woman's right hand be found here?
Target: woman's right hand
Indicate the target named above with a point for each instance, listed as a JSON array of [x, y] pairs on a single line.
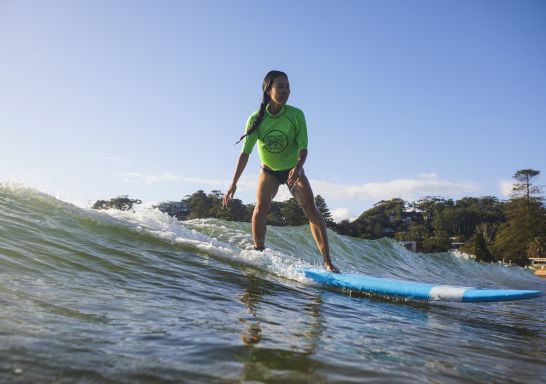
[[241, 164], [229, 194]]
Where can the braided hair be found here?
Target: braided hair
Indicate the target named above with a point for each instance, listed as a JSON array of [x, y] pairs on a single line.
[[266, 98]]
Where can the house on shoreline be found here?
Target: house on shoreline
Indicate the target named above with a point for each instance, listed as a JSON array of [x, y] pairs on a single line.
[[538, 264], [409, 245], [178, 209]]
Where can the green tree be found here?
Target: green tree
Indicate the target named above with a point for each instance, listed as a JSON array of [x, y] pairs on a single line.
[[414, 232], [235, 211], [479, 248], [526, 220], [536, 249], [345, 227], [384, 219], [524, 187], [123, 203], [436, 223], [471, 212], [216, 203], [275, 215], [325, 212], [292, 213], [101, 204], [529, 193], [199, 205]]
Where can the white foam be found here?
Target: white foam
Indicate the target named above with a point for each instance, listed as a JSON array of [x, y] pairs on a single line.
[[238, 246]]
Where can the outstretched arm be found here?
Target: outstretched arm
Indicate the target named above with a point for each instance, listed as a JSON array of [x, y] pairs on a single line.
[[241, 164]]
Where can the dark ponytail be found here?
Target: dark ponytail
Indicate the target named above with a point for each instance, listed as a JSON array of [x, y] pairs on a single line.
[[266, 98]]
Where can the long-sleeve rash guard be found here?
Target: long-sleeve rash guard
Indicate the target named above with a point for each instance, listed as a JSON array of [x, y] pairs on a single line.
[[280, 137]]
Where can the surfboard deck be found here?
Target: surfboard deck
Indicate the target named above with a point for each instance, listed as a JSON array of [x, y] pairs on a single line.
[[414, 290]]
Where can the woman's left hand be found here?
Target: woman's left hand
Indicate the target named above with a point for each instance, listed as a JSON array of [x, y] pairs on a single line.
[[294, 176]]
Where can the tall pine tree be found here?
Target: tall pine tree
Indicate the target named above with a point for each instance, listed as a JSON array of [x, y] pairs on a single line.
[[526, 220], [325, 212]]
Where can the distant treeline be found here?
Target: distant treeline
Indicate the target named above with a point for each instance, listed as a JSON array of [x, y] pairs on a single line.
[[488, 228]]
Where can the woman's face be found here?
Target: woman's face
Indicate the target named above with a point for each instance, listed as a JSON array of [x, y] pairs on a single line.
[[280, 90]]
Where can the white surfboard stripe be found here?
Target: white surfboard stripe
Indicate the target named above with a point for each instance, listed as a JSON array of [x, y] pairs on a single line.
[[447, 293]]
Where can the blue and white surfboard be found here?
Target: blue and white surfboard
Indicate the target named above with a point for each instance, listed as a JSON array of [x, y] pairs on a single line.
[[414, 290]]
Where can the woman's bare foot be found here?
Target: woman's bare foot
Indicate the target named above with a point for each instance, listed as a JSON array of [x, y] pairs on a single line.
[[330, 267]]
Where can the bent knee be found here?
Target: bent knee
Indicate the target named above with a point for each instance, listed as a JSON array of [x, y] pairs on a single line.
[[262, 208]]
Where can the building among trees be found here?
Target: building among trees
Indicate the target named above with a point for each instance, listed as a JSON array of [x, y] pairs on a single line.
[[178, 209]]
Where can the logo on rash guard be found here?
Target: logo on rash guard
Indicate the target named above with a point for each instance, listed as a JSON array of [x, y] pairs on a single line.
[[275, 141]]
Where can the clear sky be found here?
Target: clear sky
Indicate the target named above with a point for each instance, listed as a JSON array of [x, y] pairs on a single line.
[[146, 98]]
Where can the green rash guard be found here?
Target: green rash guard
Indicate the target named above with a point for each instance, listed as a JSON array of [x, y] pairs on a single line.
[[280, 138]]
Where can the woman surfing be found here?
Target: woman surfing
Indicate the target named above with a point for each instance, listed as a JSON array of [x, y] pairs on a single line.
[[281, 133]]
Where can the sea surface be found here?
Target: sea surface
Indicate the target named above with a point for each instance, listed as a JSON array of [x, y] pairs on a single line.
[[138, 297]]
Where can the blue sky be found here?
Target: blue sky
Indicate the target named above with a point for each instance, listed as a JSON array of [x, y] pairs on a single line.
[[146, 98]]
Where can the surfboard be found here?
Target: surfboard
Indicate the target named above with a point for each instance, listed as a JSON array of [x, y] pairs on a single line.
[[414, 290]]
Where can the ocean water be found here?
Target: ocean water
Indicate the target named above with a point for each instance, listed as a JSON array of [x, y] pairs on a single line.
[[139, 297]]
